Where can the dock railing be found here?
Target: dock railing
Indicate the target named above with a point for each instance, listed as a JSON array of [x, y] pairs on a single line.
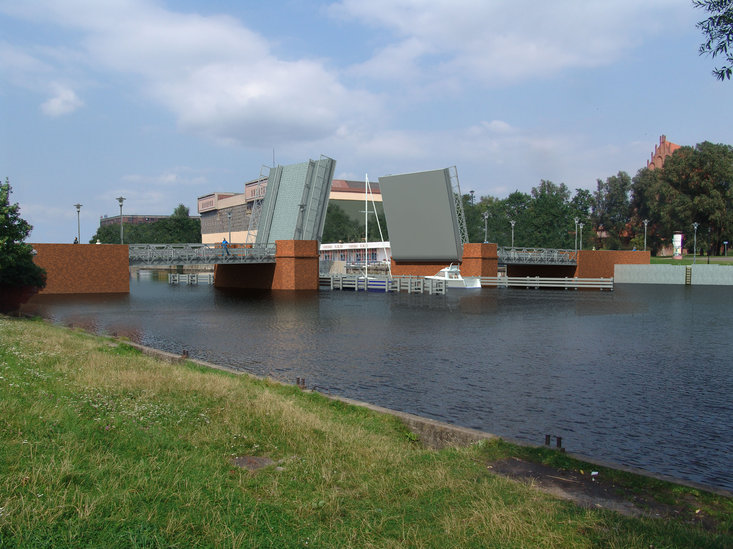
[[568, 283]]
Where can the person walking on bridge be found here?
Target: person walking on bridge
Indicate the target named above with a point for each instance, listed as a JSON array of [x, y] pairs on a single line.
[[225, 245]]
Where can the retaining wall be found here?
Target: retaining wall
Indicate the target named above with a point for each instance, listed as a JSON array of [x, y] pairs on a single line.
[[84, 268], [702, 275]]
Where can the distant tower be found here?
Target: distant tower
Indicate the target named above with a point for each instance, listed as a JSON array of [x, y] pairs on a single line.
[[661, 152]]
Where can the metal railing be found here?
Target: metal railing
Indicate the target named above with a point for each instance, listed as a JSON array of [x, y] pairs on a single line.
[[409, 284], [567, 283], [536, 256], [199, 254]]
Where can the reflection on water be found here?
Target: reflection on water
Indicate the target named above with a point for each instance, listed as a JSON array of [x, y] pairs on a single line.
[[640, 376]]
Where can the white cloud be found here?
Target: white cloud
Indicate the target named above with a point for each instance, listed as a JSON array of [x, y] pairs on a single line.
[[217, 77], [64, 101], [177, 177], [502, 42]]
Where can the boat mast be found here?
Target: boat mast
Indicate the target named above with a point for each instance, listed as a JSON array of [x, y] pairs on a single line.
[[366, 227]]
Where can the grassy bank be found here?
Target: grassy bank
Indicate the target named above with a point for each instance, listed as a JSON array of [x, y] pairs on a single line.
[[101, 446], [688, 260]]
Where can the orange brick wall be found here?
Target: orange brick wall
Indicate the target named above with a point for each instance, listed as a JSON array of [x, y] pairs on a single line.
[[479, 260], [297, 265], [599, 263], [296, 268], [84, 268]]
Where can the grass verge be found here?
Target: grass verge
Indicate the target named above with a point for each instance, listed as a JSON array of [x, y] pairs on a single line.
[[101, 446]]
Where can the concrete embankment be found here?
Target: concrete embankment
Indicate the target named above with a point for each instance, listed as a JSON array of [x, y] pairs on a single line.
[[691, 275]]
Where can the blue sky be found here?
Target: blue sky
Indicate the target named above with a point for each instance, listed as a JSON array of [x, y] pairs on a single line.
[[162, 101]]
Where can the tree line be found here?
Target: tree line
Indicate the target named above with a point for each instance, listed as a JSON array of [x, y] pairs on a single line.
[[178, 228], [693, 186]]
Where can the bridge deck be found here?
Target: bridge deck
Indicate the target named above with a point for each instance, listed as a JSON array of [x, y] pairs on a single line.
[[198, 254], [536, 256]]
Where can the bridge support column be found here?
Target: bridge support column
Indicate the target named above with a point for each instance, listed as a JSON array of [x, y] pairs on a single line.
[[295, 268], [479, 260]]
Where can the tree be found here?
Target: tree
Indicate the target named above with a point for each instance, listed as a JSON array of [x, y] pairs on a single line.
[[550, 223], [339, 227], [718, 28], [18, 273], [694, 186], [610, 211]]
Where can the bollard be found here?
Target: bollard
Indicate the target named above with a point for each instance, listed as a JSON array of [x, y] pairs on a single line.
[[184, 354], [559, 442], [547, 440]]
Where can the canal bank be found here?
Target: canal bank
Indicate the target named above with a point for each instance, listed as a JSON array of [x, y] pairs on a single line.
[[180, 455], [640, 376]]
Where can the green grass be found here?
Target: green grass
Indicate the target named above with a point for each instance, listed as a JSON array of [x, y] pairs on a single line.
[[687, 260], [101, 446]]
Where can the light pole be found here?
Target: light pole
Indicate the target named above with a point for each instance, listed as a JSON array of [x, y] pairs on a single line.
[[575, 234], [121, 199], [486, 227], [580, 240], [229, 217], [646, 222], [725, 244], [512, 222], [78, 223], [695, 225]]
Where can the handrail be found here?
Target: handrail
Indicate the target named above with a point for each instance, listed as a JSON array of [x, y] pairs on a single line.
[[537, 256], [199, 254]]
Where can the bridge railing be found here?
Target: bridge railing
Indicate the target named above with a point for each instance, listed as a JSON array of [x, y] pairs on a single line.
[[199, 254], [537, 256]]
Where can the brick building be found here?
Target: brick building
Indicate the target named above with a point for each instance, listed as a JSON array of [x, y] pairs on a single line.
[[661, 152]]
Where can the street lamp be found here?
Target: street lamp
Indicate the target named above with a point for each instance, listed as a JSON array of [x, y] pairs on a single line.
[[725, 244], [486, 227], [580, 240], [646, 222], [512, 222], [695, 225], [121, 199], [229, 217], [78, 223], [575, 234]]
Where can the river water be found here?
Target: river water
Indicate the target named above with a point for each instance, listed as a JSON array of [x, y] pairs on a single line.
[[641, 376]]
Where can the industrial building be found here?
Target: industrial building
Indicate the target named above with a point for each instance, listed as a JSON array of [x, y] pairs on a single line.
[[227, 214]]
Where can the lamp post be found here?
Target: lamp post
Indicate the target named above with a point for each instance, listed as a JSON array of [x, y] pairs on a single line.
[[646, 222], [486, 227], [695, 225], [580, 240], [229, 217], [575, 234], [78, 223], [512, 223], [121, 199], [725, 245]]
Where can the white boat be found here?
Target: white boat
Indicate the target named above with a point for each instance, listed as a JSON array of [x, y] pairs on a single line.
[[454, 279]]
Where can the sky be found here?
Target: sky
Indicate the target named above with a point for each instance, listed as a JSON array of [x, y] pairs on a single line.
[[165, 101]]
